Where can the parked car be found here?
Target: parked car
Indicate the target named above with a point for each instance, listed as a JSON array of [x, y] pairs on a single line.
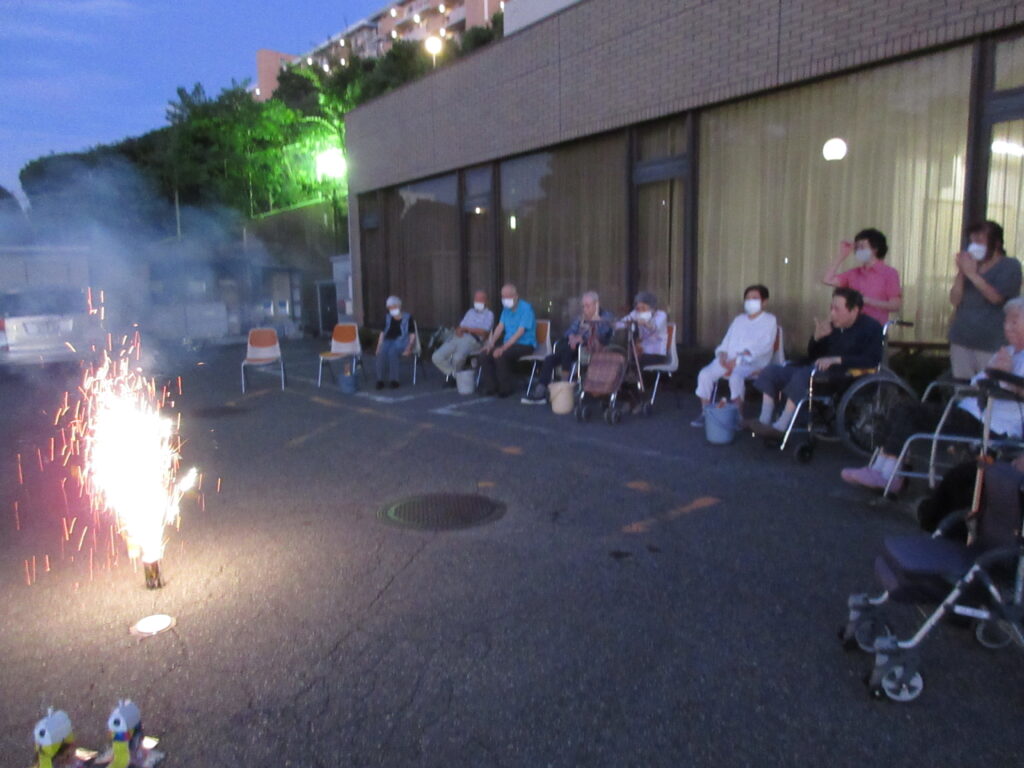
[[44, 325]]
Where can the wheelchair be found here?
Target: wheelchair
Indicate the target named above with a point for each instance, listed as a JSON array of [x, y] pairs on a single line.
[[978, 578], [850, 411]]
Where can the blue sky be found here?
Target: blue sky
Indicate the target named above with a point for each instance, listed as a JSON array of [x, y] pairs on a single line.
[[76, 73]]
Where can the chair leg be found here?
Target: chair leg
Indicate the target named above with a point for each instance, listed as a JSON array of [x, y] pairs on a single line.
[[415, 365], [282, 373], [320, 373], [243, 378], [654, 392], [533, 371]]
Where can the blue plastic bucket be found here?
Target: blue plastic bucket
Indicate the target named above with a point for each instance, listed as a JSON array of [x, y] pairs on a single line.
[[348, 381], [721, 424]]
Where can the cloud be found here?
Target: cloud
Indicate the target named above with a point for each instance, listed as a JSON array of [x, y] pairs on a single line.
[[45, 32]]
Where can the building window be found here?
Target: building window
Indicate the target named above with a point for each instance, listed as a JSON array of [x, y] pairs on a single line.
[[773, 209], [563, 226], [1010, 64], [422, 236], [478, 215]]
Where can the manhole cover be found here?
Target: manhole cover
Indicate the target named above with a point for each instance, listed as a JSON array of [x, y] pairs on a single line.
[[442, 511]]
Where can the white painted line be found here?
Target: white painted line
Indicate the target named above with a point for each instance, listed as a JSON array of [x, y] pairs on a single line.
[[450, 410], [401, 399]]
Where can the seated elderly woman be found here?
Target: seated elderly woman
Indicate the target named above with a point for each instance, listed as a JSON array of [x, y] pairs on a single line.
[[652, 334], [397, 339], [592, 328], [746, 349], [966, 419]]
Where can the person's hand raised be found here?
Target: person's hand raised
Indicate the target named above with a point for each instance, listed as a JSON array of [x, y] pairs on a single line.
[[822, 328]]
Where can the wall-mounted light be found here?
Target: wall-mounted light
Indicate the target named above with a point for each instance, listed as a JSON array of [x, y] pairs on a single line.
[[512, 223], [257, 91], [394, 34], [441, 8], [834, 149], [394, 12], [416, 18], [309, 61]]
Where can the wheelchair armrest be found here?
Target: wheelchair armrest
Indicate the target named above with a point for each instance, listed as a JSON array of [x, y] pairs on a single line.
[[947, 523], [1000, 554], [1005, 377]]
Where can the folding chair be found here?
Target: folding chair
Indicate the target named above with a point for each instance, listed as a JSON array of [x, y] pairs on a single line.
[[543, 349], [669, 367], [263, 349], [344, 343]]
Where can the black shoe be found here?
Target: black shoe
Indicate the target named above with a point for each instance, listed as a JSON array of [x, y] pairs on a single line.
[[380, 385], [394, 385]]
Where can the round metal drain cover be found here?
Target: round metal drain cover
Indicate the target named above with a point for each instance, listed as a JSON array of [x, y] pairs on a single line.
[[442, 511]]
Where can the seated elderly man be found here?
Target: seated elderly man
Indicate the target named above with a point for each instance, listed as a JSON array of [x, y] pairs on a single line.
[[468, 339], [397, 339], [746, 349], [591, 329], [966, 420], [849, 339], [517, 331]]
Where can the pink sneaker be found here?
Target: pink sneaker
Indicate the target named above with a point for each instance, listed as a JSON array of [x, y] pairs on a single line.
[[865, 476]]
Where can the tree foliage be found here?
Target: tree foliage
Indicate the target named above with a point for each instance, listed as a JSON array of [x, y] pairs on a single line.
[[231, 150]]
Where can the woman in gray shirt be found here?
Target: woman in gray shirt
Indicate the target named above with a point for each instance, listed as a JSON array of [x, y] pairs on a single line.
[[986, 279]]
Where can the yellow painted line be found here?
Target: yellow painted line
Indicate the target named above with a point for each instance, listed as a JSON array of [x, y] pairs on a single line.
[[295, 442], [644, 526], [640, 485]]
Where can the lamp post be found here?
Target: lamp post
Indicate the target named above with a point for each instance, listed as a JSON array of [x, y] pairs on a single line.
[[433, 45]]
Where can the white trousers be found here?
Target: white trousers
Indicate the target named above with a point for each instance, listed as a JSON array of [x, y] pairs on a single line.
[[712, 372]]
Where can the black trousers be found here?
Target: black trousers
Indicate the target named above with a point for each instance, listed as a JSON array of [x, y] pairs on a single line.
[[908, 418], [564, 356], [497, 374]]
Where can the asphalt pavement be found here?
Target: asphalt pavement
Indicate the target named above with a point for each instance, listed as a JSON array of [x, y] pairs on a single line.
[[645, 600]]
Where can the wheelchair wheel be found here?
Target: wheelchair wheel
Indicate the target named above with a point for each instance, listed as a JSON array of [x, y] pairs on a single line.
[[898, 685], [613, 416], [992, 634], [864, 408]]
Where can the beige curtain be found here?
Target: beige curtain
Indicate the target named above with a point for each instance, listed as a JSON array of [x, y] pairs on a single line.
[[773, 210], [660, 243], [423, 250], [1006, 183], [563, 226]]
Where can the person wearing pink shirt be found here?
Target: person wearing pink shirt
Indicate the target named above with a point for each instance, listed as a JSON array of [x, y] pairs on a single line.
[[876, 281]]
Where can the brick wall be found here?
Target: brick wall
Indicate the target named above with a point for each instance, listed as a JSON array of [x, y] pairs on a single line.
[[604, 64]]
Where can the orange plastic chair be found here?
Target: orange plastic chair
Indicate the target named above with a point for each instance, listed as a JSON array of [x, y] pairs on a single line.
[[344, 344], [263, 349]]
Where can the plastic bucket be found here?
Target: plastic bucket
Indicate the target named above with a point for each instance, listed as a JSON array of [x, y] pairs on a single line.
[[465, 381], [562, 397], [721, 424], [348, 382]]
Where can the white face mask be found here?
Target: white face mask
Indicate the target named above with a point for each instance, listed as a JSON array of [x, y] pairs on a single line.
[[644, 315], [478, 306], [395, 312], [508, 303], [977, 251], [862, 255], [752, 306]]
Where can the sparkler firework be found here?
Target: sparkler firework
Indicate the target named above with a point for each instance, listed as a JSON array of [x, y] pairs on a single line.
[[129, 454]]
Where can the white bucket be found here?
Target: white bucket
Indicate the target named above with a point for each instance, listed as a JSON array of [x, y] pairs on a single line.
[[562, 397], [465, 381]]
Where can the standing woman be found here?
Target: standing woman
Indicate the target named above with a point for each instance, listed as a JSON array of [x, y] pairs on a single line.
[[986, 279]]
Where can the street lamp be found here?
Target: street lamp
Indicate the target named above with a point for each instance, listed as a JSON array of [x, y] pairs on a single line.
[[330, 164], [433, 45]]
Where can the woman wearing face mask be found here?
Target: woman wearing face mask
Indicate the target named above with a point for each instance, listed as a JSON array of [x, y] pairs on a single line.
[[746, 349], [397, 339], [986, 279], [652, 329], [876, 281]]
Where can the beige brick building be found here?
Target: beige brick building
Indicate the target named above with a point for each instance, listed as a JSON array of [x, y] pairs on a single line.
[[677, 146]]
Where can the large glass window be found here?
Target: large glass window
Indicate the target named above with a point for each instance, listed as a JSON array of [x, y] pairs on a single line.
[[660, 243], [478, 210], [423, 251], [1010, 64], [773, 209], [563, 228], [1006, 183], [372, 259]]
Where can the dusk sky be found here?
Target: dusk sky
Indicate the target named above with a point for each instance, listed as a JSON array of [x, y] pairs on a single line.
[[76, 73]]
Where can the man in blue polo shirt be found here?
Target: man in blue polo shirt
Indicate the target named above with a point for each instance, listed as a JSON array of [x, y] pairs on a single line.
[[517, 331]]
